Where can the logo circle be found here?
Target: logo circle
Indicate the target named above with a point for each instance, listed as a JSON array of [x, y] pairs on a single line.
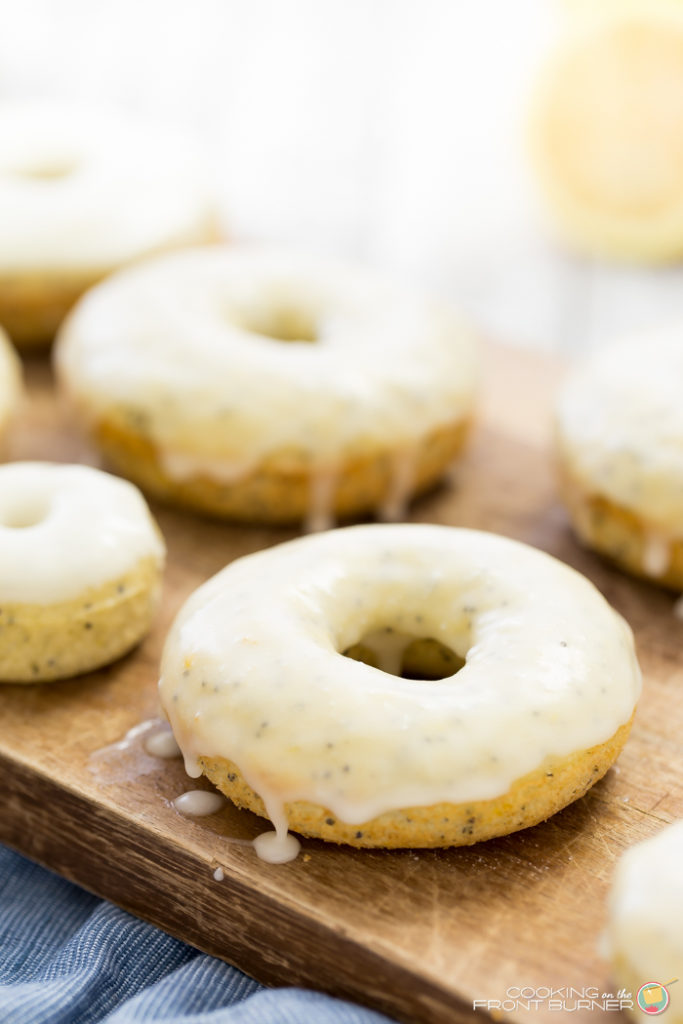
[[652, 998]]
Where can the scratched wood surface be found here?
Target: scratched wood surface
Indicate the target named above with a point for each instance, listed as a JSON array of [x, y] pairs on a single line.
[[419, 935]]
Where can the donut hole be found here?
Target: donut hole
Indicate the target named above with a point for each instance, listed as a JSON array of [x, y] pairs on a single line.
[[280, 323], [21, 515], [405, 655]]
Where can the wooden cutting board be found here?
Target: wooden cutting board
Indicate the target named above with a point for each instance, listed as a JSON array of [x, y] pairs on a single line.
[[419, 935]]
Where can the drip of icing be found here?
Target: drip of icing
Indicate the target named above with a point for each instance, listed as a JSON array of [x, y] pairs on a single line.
[[192, 766], [181, 466], [656, 555], [219, 874], [128, 740], [276, 848], [163, 744], [582, 518], [198, 803], [127, 758], [394, 505], [323, 487], [320, 513]]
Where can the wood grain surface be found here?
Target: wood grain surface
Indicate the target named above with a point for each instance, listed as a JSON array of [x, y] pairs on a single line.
[[419, 935]]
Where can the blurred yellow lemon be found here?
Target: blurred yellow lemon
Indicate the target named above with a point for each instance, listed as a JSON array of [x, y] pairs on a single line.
[[608, 136]]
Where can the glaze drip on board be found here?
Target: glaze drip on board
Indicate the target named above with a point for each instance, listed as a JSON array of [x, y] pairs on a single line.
[[162, 744], [199, 803]]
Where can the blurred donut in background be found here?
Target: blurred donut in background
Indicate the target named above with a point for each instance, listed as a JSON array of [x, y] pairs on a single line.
[[643, 938], [607, 135], [619, 428], [269, 385], [82, 192]]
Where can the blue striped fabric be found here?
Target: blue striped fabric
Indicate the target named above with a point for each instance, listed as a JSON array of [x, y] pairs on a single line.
[[68, 958]]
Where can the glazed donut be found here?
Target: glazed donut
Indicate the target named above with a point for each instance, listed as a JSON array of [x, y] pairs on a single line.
[[262, 700], [644, 940], [269, 386], [620, 447], [608, 137], [80, 570], [82, 192], [10, 382]]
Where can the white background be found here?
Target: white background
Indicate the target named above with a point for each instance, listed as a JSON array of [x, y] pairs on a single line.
[[391, 131]]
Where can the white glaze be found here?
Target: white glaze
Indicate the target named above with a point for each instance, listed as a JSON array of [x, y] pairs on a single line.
[[83, 188], [128, 741], [66, 528], [644, 936], [620, 430], [10, 380], [251, 669], [394, 506], [320, 514], [277, 847], [166, 341], [656, 555], [219, 874], [198, 803], [126, 759], [162, 744]]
